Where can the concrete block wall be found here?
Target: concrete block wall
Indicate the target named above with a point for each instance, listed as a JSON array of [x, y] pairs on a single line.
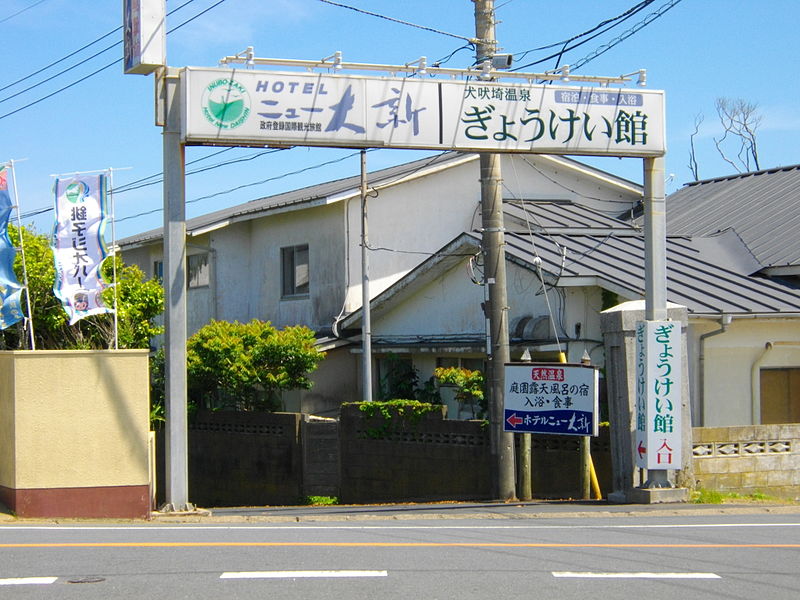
[[433, 459], [746, 460], [245, 459]]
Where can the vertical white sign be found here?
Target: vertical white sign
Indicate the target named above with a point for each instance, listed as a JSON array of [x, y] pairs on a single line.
[[658, 395], [78, 245], [144, 27]]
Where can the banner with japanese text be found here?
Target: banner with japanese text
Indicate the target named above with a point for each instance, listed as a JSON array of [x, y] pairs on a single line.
[[658, 395], [552, 398], [240, 108], [78, 245], [10, 288]]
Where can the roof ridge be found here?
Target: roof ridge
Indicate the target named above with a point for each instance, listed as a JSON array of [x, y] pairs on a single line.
[[743, 175]]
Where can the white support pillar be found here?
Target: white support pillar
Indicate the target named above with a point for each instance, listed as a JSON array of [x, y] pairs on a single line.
[[177, 480]]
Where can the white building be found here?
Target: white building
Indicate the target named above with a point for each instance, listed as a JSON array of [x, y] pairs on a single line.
[[295, 258]]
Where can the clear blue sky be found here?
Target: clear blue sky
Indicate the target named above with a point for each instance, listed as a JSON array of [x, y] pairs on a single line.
[[696, 51]]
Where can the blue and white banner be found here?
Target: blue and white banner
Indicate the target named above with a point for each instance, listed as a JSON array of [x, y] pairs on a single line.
[[10, 288], [78, 245]]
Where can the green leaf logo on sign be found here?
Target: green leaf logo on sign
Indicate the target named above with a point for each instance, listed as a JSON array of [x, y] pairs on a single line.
[[226, 103]]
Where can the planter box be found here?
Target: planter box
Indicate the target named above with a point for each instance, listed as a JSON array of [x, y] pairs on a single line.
[[74, 433]]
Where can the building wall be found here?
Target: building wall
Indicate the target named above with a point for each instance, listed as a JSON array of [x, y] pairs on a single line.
[[420, 216], [451, 305], [322, 230], [75, 433], [730, 384]]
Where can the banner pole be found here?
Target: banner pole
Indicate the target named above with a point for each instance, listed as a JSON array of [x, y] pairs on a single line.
[[114, 254], [22, 255]]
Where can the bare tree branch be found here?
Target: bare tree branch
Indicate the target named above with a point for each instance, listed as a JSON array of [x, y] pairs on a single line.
[[693, 167], [740, 120]]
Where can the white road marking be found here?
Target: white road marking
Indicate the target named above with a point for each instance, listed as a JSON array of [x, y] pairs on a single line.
[[298, 526], [28, 580], [641, 575], [299, 574]]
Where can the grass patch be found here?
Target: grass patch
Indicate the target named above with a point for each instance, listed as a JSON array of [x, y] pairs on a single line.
[[704, 496], [319, 501]]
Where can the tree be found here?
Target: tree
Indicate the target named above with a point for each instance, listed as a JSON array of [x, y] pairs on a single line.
[[737, 146], [693, 167], [740, 120], [245, 365], [139, 302]]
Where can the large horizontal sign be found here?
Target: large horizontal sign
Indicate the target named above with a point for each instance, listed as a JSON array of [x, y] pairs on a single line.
[[243, 108], [551, 398]]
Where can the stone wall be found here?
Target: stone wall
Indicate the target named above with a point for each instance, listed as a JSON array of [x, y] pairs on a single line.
[[746, 460]]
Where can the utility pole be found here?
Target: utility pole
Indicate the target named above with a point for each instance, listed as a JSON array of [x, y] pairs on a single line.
[[493, 243], [366, 327]]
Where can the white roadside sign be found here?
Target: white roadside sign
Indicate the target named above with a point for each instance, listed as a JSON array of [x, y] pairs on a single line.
[[658, 395], [553, 398], [258, 108]]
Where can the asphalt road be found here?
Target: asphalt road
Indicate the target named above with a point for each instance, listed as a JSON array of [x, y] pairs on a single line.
[[652, 555]]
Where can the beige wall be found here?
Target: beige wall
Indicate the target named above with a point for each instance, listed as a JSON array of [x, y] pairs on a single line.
[[72, 419], [7, 470], [731, 395]]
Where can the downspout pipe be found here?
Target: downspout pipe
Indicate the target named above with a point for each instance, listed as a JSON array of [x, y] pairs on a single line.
[[724, 321]]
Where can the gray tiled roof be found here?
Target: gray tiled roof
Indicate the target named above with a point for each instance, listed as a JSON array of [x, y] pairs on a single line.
[[763, 207], [707, 275], [304, 196]]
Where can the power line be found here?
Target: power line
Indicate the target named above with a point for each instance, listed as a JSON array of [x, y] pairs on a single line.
[[76, 65], [622, 37], [58, 91], [109, 65], [132, 186], [523, 54], [234, 189], [611, 23], [393, 20], [73, 53], [20, 11], [140, 183]]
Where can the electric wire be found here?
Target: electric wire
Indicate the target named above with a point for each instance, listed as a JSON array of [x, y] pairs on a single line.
[[579, 194], [263, 181], [20, 11], [109, 65], [70, 55], [393, 20], [611, 24], [622, 37], [631, 11], [60, 60], [128, 185]]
